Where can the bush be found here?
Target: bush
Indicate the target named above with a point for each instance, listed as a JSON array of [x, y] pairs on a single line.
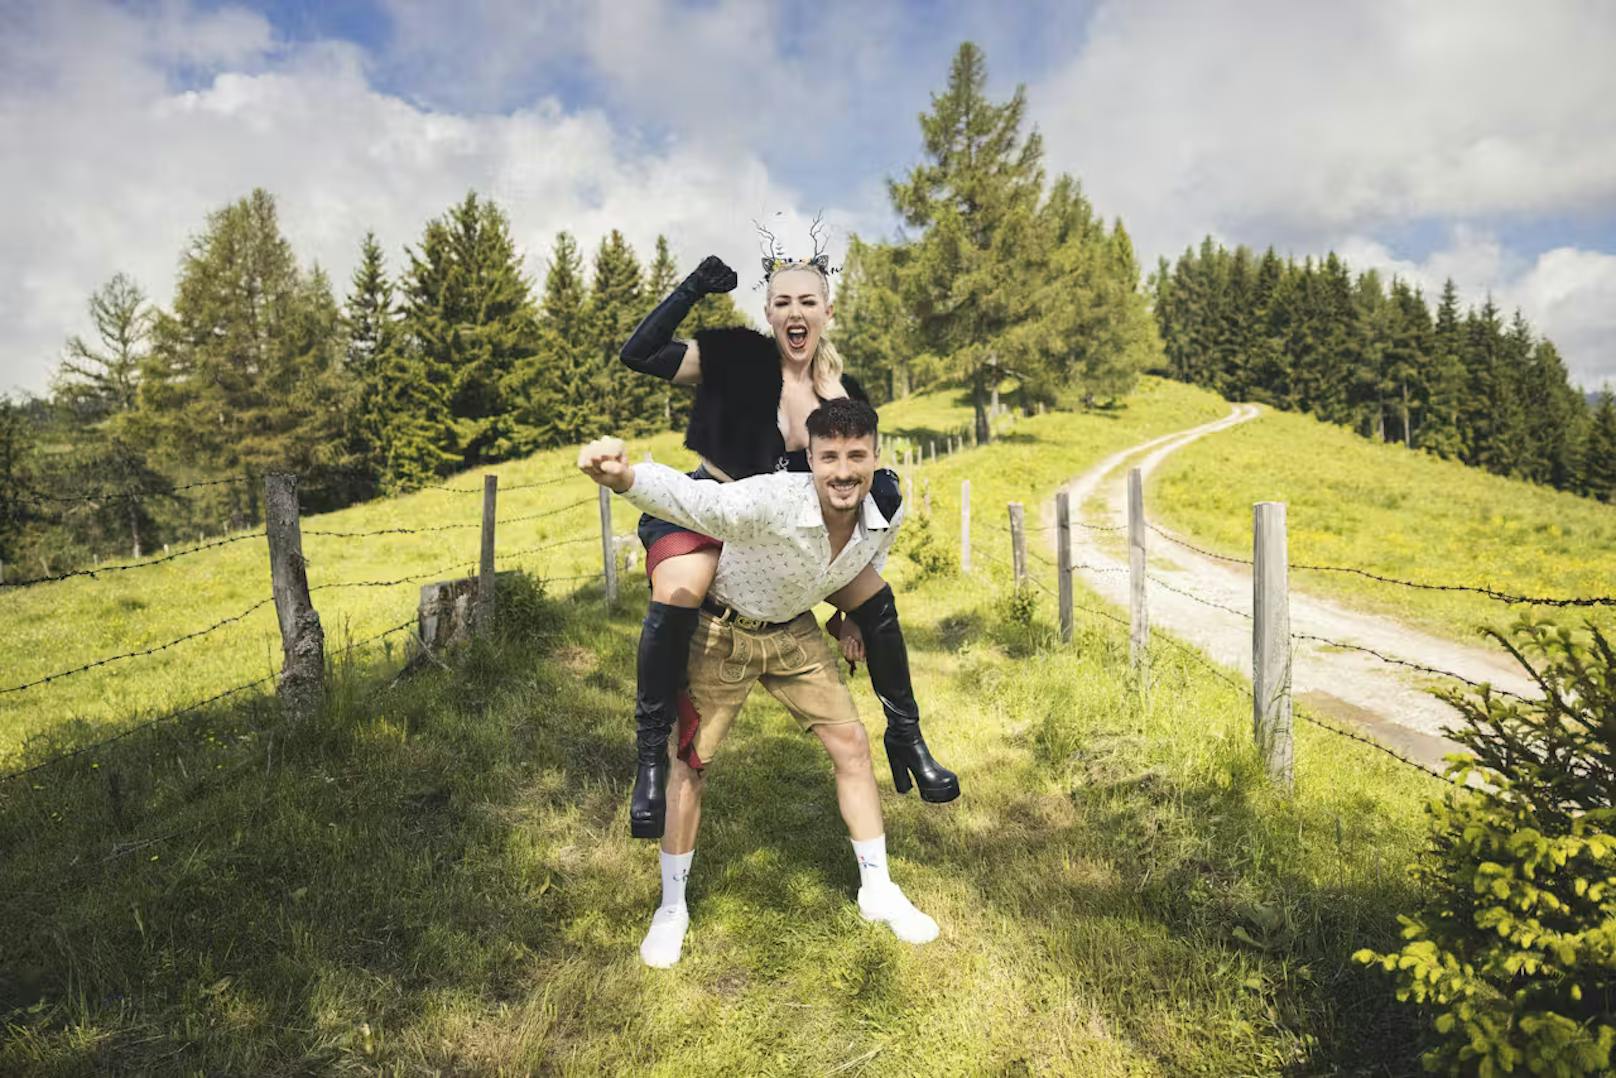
[[1514, 948], [932, 555]]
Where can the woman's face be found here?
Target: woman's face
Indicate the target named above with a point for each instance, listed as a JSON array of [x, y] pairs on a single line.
[[797, 311]]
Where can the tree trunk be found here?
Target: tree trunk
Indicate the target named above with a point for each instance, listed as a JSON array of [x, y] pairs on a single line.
[[1408, 426], [134, 526], [984, 431]]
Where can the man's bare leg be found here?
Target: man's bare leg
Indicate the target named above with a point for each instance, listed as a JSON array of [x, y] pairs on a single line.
[[879, 899], [665, 940]]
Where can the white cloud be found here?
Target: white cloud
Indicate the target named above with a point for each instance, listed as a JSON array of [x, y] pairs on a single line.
[[1296, 125], [122, 185]]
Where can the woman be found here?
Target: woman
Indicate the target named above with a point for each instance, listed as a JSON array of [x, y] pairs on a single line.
[[753, 397]]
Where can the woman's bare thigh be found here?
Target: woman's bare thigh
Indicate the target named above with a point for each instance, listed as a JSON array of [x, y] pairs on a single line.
[[683, 580]]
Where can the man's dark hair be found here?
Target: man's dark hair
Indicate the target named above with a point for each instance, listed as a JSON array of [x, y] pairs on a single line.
[[842, 417]]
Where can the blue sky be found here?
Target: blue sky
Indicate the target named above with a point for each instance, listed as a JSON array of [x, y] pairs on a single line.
[[1429, 139]]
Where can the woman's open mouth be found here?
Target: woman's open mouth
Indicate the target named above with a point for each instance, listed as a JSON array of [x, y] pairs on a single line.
[[797, 336]]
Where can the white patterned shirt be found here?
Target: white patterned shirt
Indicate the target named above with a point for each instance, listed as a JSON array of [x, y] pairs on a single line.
[[776, 561]]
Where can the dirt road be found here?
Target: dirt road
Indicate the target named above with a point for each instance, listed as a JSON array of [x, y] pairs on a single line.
[[1387, 702]]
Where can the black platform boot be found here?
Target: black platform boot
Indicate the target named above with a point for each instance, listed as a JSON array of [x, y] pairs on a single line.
[[888, 660], [663, 656]]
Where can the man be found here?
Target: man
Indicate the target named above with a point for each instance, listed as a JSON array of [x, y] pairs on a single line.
[[790, 541]]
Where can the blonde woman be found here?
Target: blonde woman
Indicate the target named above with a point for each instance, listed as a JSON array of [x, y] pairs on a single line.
[[754, 393]]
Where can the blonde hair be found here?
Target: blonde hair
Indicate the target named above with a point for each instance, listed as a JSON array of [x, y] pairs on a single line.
[[826, 366]]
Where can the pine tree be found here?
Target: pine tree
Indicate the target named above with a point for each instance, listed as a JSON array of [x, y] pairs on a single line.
[[553, 392], [1442, 430], [469, 318], [974, 201], [17, 504], [244, 374], [371, 327], [96, 389], [625, 401], [1598, 479]]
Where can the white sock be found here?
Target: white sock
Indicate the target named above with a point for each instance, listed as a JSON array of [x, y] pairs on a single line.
[[872, 861], [666, 937], [675, 871]]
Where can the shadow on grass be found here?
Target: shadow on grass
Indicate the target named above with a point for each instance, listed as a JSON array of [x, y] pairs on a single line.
[[266, 898], [236, 894]]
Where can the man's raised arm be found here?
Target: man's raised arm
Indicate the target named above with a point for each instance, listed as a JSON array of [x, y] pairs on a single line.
[[728, 511]]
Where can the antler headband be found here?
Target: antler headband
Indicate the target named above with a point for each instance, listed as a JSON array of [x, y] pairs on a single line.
[[775, 260]]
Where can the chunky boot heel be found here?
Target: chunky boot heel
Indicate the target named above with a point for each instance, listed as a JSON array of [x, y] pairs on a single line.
[[663, 654], [648, 805], [888, 662], [900, 775], [937, 783]]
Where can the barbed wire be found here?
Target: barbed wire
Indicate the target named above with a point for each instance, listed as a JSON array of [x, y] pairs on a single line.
[[1491, 593], [1476, 589], [504, 489], [187, 709], [126, 495], [1171, 538], [1371, 742], [99, 569], [449, 527], [1191, 595], [1393, 660], [139, 654]]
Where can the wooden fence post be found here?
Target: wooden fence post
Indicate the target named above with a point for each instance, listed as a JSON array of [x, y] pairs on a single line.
[[608, 555], [965, 525], [1018, 544], [485, 576], [1139, 621], [301, 686], [1271, 640], [1063, 562]]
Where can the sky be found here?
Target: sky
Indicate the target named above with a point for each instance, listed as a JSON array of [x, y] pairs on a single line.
[[1474, 140]]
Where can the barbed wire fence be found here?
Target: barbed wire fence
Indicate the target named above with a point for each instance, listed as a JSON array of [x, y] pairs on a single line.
[[1273, 641], [469, 609]]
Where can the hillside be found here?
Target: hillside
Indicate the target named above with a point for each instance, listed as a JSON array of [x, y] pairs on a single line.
[[436, 874], [1392, 512]]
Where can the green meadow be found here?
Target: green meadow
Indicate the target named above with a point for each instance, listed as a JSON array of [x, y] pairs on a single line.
[[1393, 512], [434, 875]]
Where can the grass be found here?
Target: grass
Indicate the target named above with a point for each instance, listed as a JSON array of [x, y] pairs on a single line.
[[1393, 512], [436, 875], [56, 627]]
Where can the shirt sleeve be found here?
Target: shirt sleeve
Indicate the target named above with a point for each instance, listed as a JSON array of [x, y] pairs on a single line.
[[878, 560], [732, 512]]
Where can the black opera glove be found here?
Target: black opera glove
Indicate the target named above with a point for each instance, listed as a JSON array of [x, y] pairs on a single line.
[[651, 348]]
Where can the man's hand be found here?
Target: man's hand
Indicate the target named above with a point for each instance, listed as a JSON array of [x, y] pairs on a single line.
[[852, 642], [605, 460]]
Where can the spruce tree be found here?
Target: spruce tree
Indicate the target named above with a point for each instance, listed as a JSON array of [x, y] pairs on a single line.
[[553, 392], [371, 327], [974, 201], [625, 401], [1598, 479], [1442, 429], [470, 319], [18, 503], [245, 375]]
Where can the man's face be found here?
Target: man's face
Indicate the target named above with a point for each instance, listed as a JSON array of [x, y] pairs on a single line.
[[843, 469]]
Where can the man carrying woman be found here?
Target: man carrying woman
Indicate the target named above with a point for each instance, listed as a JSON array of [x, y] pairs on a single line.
[[754, 393]]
